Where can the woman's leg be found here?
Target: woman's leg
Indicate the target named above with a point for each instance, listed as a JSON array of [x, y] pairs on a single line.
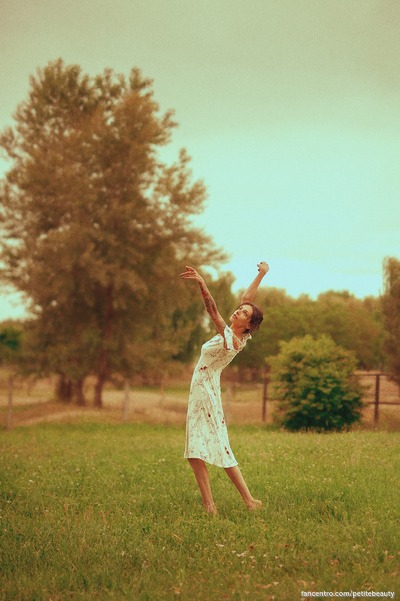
[[203, 480], [235, 475]]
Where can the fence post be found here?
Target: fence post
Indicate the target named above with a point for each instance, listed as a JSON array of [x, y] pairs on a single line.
[[10, 402], [265, 395], [377, 387], [126, 401]]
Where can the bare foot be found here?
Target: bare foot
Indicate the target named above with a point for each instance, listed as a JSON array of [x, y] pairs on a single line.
[[255, 504], [211, 509]]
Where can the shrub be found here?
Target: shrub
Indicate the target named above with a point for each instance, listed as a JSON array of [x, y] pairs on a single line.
[[315, 385]]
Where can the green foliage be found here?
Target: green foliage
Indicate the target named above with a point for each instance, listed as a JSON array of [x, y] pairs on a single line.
[[10, 342], [96, 513], [10, 338], [315, 385], [391, 311], [352, 323], [96, 228]]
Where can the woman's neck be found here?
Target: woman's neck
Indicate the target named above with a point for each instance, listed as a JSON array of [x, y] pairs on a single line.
[[239, 332]]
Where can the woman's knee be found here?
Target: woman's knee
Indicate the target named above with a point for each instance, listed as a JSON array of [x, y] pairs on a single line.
[[197, 463]]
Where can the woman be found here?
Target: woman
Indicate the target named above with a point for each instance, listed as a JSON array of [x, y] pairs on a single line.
[[206, 432]]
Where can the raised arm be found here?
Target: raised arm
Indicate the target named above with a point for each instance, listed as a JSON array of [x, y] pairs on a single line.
[[249, 294], [209, 302]]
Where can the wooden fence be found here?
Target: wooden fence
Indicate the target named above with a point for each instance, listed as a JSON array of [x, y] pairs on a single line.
[[380, 390]]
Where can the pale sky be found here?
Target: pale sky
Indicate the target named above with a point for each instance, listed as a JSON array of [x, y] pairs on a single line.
[[290, 110]]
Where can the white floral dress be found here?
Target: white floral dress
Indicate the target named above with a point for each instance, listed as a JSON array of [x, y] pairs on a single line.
[[206, 431]]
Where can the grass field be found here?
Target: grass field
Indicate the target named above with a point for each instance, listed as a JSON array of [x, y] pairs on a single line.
[[97, 511]]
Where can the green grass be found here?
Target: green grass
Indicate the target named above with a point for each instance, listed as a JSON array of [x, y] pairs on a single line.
[[112, 512]]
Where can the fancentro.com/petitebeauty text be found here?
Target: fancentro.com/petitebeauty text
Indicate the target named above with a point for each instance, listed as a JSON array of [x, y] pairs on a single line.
[[349, 594]]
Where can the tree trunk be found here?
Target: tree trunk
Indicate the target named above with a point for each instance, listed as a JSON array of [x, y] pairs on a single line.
[[10, 402], [78, 392], [64, 389], [98, 390], [103, 371]]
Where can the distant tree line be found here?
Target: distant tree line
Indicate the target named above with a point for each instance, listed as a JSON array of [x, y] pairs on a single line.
[[95, 229], [354, 324]]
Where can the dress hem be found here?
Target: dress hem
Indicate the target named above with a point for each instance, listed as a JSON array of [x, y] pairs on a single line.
[[209, 462]]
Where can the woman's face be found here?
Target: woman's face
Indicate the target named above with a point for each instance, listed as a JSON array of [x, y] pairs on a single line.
[[242, 316]]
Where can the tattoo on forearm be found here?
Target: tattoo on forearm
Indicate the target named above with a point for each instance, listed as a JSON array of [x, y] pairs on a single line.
[[208, 300]]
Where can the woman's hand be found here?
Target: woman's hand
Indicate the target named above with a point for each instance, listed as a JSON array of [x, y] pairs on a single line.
[[192, 274], [263, 267]]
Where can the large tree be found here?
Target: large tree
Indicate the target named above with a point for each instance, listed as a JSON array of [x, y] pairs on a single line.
[[94, 224], [391, 311]]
